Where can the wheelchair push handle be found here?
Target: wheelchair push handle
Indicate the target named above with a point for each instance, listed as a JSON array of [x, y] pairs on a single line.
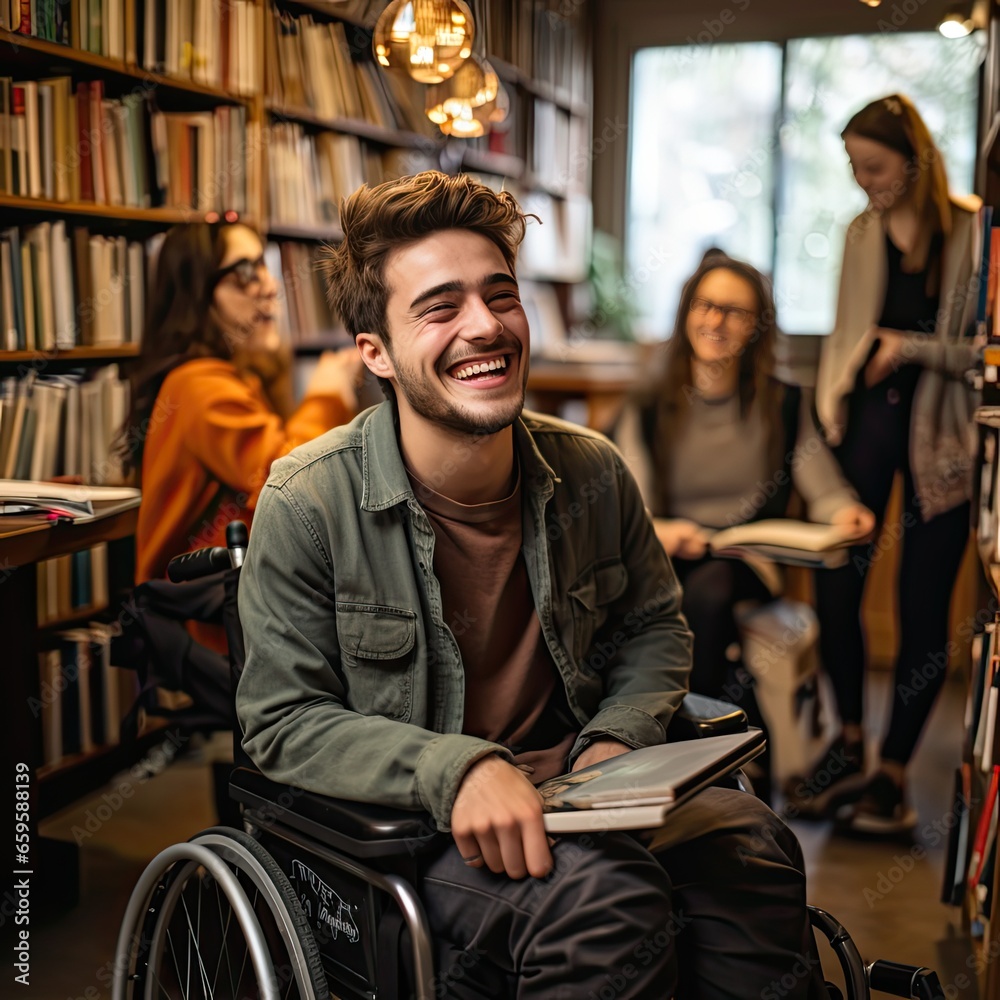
[[214, 559], [237, 537], [195, 565], [904, 981]]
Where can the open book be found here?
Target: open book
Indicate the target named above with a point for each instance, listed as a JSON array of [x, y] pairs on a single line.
[[636, 790], [27, 497], [786, 540]]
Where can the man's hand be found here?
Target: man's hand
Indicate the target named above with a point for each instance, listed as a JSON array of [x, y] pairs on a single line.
[[497, 821], [600, 750]]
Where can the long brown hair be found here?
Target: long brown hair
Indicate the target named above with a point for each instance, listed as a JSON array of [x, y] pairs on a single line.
[[179, 324], [895, 122], [667, 402]]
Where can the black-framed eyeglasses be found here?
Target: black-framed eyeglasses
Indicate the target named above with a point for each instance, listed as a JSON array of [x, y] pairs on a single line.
[[731, 315], [246, 271]]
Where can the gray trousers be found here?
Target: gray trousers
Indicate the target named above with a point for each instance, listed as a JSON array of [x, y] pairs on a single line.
[[710, 906]]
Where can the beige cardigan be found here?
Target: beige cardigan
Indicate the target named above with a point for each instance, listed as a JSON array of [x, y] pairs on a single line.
[[942, 437]]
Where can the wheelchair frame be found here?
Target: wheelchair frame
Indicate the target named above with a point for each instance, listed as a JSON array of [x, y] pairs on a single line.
[[340, 834]]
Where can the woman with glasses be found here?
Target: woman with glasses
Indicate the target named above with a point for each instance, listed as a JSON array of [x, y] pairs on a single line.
[[718, 441], [891, 396], [211, 395]]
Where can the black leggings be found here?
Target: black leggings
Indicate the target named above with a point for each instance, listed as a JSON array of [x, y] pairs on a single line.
[[876, 445], [712, 589]]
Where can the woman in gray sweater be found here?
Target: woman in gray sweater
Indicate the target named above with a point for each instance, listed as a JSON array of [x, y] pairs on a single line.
[[718, 441]]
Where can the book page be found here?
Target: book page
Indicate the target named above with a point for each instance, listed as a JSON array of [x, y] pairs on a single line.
[[783, 532], [64, 491]]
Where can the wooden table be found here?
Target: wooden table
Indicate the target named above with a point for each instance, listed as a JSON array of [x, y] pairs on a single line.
[[604, 388]]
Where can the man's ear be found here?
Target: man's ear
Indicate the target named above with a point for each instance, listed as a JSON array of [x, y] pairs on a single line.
[[375, 355]]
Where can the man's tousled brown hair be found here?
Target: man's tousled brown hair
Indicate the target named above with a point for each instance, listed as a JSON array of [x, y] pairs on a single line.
[[377, 220]]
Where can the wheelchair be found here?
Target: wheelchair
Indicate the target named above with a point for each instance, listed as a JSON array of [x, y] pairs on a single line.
[[318, 898]]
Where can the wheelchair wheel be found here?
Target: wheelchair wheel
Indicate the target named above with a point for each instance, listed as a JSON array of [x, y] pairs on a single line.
[[216, 918]]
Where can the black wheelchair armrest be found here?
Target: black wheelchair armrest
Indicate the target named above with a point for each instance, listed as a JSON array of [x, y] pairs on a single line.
[[359, 829], [700, 716], [364, 830]]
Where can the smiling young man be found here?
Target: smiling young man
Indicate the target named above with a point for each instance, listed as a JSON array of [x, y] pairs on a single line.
[[450, 600]]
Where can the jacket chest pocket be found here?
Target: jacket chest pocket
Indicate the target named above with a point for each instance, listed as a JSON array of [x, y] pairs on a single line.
[[590, 596], [376, 654]]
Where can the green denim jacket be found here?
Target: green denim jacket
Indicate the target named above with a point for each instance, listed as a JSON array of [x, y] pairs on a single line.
[[353, 685]]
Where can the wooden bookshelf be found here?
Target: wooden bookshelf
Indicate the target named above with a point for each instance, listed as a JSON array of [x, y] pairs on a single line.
[[487, 162], [987, 941], [334, 9], [86, 210], [331, 340], [329, 233], [379, 134], [559, 96], [73, 356], [50, 57]]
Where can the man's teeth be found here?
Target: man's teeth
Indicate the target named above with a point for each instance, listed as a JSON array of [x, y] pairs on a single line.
[[479, 369]]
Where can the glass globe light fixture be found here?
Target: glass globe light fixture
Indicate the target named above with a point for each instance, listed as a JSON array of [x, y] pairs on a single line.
[[470, 123], [474, 84], [430, 39]]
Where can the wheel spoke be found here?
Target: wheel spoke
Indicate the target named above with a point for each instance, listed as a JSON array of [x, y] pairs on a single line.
[[197, 950], [177, 969], [224, 946]]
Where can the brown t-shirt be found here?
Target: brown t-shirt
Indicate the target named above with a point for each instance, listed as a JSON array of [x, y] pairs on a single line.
[[513, 693]]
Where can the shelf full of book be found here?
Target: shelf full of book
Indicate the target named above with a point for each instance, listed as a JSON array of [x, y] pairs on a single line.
[[109, 135], [975, 884]]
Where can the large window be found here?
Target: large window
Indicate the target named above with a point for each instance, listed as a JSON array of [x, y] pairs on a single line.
[[738, 146]]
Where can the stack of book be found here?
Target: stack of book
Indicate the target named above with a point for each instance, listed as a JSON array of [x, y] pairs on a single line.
[[211, 43], [307, 317], [66, 143], [200, 158], [309, 174], [972, 844], [310, 66], [61, 289], [82, 696], [48, 21], [63, 425], [71, 584]]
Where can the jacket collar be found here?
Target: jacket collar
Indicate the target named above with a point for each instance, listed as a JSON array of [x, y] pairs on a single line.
[[384, 479]]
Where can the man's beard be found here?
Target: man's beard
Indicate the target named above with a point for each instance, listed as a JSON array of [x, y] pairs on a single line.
[[434, 407]]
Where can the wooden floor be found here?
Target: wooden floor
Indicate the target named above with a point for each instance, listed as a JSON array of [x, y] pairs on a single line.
[[891, 913]]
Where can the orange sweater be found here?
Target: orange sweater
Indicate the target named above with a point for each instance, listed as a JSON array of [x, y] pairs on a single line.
[[211, 439]]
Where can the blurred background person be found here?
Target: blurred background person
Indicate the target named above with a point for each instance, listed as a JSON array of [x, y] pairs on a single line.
[[212, 394], [891, 396], [717, 441]]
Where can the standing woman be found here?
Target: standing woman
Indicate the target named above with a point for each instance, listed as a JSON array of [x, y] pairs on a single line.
[[891, 396], [718, 441], [211, 398]]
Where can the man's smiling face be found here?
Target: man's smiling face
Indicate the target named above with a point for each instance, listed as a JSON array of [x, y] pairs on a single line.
[[458, 337]]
